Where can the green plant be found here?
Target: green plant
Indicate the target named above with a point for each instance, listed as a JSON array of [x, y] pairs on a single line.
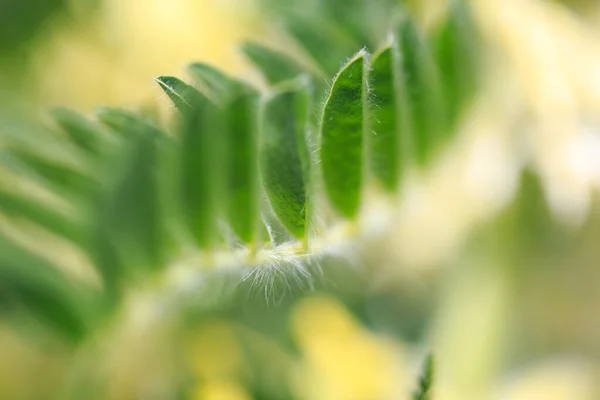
[[423, 391], [256, 185]]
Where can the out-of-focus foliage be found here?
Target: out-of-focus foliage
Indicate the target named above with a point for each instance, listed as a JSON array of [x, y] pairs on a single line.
[[178, 259], [20, 21], [147, 199]]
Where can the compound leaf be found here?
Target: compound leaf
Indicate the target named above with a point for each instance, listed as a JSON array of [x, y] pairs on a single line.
[[342, 138], [284, 121]]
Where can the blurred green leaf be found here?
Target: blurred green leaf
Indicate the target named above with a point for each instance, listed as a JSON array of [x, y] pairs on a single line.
[[323, 40], [106, 249], [104, 254], [19, 206], [214, 84], [275, 67], [342, 134], [424, 96], [456, 56], [86, 135], [242, 190], [364, 21], [53, 173], [30, 282], [284, 119], [526, 231], [384, 117], [240, 107], [423, 391], [20, 20], [125, 123], [201, 164], [132, 209], [353, 19]]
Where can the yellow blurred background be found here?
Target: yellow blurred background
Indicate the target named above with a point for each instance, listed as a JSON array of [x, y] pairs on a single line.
[[114, 57]]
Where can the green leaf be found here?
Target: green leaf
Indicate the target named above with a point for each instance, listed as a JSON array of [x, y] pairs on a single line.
[[424, 96], [184, 96], [423, 391], [275, 67], [239, 103], [342, 132], [132, 210], [30, 282], [126, 123], [456, 56], [354, 19], [202, 159], [201, 165], [86, 135], [141, 137], [104, 254], [215, 84], [19, 206], [284, 122], [53, 173], [274, 231], [324, 42], [242, 183], [384, 118]]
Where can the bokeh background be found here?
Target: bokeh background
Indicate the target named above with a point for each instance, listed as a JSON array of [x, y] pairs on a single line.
[[494, 265]]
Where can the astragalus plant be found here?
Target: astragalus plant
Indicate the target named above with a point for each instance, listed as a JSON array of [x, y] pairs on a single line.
[[251, 187]]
